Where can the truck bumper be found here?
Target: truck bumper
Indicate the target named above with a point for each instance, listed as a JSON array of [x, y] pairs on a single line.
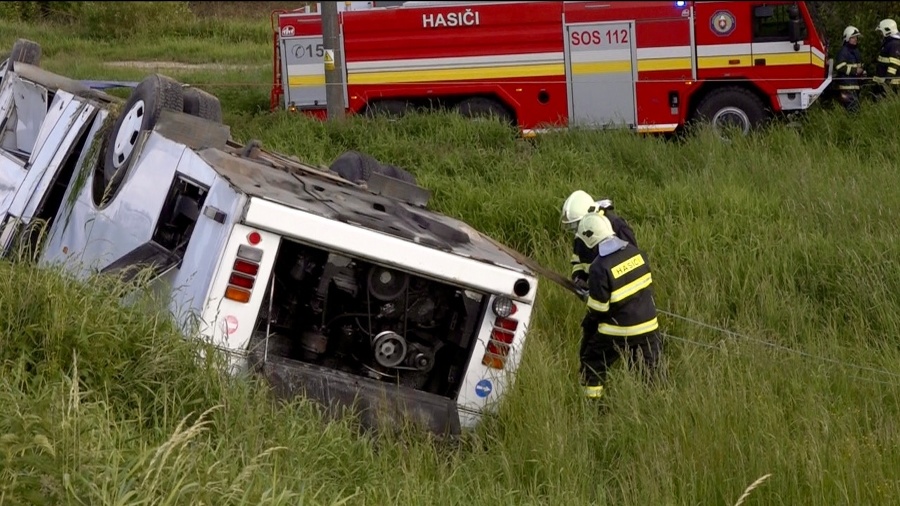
[[374, 402], [795, 99]]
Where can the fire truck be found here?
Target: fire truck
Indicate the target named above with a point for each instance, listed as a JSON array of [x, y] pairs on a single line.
[[648, 66]]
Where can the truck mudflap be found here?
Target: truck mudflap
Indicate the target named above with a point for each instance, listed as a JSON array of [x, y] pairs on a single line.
[[374, 402]]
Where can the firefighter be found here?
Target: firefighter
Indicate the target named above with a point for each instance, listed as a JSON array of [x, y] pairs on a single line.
[[576, 206], [886, 70], [849, 69], [621, 314]]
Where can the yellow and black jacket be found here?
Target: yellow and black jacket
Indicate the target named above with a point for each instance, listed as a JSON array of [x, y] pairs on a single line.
[[887, 70], [848, 61], [620, 297], [582, 255]]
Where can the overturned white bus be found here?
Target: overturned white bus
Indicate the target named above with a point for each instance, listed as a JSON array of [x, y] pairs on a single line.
[[348, 293]]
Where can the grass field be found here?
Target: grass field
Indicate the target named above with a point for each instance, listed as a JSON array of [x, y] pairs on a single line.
[[783, 241]]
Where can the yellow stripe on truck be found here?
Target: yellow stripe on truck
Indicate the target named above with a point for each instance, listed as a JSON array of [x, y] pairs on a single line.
[[300, 81], [468, 73], [456, 74], [799, 58], [654, 64], [600, 67], [718, 62], [746, 60]]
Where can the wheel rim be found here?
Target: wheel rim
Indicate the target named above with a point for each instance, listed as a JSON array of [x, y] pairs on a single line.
[[731, 117], [127, 136]]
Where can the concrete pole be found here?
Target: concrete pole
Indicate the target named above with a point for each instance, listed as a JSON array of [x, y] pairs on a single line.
[[334, 65]]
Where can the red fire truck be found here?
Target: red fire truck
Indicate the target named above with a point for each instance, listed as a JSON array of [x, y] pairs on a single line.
[[648, 66]]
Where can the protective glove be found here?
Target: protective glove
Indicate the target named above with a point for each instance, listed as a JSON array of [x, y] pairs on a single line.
[[583, 293]]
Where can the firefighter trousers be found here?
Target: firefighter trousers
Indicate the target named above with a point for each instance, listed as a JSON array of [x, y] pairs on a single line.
[[850, 100], [600, 352]]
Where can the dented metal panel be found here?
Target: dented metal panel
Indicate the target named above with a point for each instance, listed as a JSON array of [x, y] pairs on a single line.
[[31, 108], [58, 109], [49, 160], [72, 223], [94, 237], [53, 81], [352, 204], [12, 173], [191, 283]]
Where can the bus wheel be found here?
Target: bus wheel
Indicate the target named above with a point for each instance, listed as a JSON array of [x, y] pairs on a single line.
[[202, 105], [140, 112], [24, 51]]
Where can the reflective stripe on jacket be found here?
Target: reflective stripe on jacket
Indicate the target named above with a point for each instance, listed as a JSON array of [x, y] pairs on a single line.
[[848, 60], [620, 295], [886, 70]]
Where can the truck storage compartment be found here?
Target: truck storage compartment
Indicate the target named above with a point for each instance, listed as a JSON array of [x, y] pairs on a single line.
[[367, 321]]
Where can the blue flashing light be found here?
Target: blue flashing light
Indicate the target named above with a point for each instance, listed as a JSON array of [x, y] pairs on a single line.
[[680, 4]]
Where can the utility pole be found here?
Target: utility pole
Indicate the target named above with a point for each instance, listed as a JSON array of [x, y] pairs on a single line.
[[334, 64]]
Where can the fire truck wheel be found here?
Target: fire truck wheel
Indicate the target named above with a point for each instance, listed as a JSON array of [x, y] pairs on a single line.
[[140, 112], [734, 107], [387, 108], [25, 51], [202, 104], [482, 108]]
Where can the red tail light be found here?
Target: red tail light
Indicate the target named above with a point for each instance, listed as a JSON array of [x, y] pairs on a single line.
[[243, 274], [245, 267], [501, 340]]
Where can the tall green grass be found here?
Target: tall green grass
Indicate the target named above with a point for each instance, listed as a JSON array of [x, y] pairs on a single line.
[[785, 239]]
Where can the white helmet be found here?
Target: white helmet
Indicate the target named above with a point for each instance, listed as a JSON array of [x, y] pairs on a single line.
[[887, 27], [850, 32], [593, 229], [575, 207]]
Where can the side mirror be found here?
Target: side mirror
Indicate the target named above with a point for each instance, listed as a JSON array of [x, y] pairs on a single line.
[[794, 33], [794, 13], [794, 26]]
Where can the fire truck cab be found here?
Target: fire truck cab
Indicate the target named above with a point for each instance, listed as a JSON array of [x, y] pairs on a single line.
[[647, 66]]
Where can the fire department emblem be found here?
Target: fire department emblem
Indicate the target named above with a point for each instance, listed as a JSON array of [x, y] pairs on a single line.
[[287, 31], [722, 23]]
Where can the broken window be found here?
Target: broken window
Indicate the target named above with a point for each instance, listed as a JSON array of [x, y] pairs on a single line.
[[179, 214], [20, 127], [165, 250]]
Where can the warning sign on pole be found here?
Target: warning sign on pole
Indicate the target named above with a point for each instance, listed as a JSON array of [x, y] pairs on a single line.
[[329, 59]]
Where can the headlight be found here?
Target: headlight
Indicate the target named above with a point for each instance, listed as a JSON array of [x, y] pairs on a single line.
[[502, 306]]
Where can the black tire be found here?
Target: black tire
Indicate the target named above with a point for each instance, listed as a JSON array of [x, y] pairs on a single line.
[[732, 106], [24, 51], [388, 108], [140, 112], [202, 105], [482, 108], [358, 167]]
